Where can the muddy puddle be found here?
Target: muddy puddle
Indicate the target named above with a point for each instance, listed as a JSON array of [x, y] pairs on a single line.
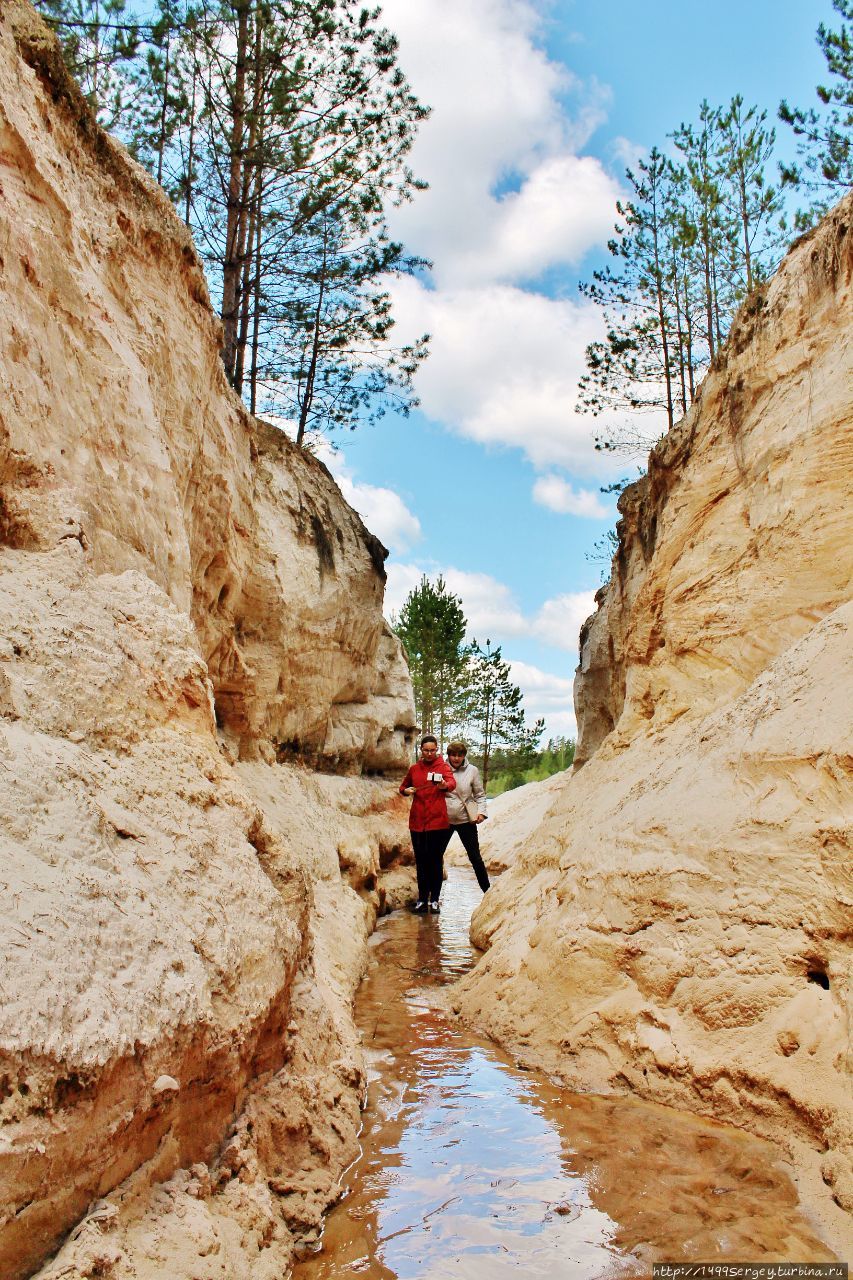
[[472, 1169]]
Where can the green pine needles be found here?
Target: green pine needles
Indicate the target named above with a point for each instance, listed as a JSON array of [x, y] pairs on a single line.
[[703, 229], [281, 130], [462, 690], [825, 134]]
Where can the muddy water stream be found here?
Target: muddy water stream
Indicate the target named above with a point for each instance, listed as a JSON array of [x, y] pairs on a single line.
[[472, 1169]]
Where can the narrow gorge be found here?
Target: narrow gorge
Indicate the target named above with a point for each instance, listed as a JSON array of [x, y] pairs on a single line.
[[204, 718]]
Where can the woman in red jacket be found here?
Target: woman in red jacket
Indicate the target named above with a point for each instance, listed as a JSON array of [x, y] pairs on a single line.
[[427, 781]]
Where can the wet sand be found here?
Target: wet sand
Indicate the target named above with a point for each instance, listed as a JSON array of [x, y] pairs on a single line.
[[472, 1169]]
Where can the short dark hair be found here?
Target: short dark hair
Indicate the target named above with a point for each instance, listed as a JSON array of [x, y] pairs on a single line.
[[429, 737]]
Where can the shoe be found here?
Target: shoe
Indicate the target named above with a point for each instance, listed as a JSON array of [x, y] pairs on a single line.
[[434, 907], [420, 908]]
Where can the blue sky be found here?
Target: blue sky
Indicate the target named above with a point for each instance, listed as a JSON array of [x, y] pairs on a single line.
[[536, 108]]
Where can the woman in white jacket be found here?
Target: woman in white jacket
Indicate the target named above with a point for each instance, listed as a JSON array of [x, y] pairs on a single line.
[[466, 808]]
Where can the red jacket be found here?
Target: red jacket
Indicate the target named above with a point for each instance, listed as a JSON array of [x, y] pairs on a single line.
[[429, 810]]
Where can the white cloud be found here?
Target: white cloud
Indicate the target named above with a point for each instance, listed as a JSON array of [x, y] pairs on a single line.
[[402, 579], [563, 208], [561, 724], [559, 621], [504, 369], [498, 119], [384, 512], [547, 695], [488, 605], [547, 688], [491, 609], [553, 492], [628, 154]]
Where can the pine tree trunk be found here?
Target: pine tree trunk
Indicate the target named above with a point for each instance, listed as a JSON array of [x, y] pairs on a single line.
[[161, 142], [308, 396], [245, 302], [717, 305], [667, 369], [253, 174], [256, 318], [488, 730], [744, 213], [709, 297], [191, 144], [679, 331], [235, 214], [689, 320]]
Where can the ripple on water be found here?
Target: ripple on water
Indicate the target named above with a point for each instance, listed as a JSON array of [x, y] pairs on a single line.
[[474, 1170]]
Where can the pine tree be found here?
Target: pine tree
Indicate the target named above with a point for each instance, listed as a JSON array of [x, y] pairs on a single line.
[[494, 710], [159, 103], [694, 239], [334, 329], [99, 40], [632, 369], [306, 124], [825, 137], [704, 217], [751, 204], [431, 626], [281, 128]]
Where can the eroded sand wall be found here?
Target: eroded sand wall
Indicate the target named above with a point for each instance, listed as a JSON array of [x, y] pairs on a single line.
[[186, 602], [680, 922]]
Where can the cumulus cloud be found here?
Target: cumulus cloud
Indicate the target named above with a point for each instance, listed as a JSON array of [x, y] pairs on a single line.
[[402, 579], [552, 491], [384, 512], [546, 695], [511, 197], [508, 193], [564, 207], [488, 605], [628, 154], [491, 609], [504, 369], [559, 621]]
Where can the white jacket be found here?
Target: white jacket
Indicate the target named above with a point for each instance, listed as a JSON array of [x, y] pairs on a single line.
[[469, 798]]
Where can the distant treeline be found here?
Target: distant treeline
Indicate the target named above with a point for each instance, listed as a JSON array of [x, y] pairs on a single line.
[[280, 129], [511, 769]]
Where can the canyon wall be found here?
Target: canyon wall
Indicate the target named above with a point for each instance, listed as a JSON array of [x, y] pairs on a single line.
[[679, 922], [190, 625]]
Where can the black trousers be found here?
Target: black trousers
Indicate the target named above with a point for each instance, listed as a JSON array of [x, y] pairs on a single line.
[[468, 834], [429, 847]]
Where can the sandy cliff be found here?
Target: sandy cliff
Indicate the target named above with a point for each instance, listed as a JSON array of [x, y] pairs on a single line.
[[679, 923], [190, 617]]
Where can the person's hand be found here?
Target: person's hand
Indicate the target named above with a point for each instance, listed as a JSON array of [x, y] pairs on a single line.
[[409, 791], [481, 817]]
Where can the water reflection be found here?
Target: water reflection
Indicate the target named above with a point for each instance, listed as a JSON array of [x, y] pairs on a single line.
[[476, 1170]]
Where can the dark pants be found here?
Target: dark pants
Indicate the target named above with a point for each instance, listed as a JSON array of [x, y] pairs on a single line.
[[429, 847], [468, 834]]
